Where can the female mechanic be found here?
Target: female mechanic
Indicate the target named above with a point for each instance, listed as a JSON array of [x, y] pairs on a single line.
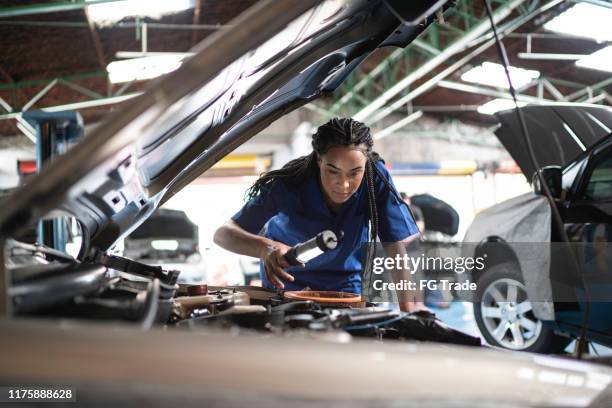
[[341, 186]]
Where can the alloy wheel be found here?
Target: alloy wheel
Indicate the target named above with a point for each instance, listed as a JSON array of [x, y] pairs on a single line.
[[508, 314]]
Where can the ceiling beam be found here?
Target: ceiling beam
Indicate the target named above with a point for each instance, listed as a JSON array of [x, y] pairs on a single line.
[[553, 90], [5, 105], [80, 89], [196, 20], [40, 95], [458, 46], [78, 105], [397, 125], [38, 82], [96, 41], [125, 24], [366, 80], [432, 82], [462, 87], [590, 88]]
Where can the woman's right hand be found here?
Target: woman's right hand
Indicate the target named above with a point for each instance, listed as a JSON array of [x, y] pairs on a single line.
[[273, 258]]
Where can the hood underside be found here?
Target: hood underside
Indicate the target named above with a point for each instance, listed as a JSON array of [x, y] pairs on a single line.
[[558, 133], [274, 58]]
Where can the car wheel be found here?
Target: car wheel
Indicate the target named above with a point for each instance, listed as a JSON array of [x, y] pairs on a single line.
[[505, 315]]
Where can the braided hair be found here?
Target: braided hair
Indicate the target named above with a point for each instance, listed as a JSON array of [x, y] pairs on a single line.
[[344, 132]]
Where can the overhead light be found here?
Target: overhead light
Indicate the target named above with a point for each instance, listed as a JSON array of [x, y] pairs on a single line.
[[584, 20], [117, 10], [165, 244], [138, 69], [497, 105], [139, 54], [492, 74], [600, 60], [549, 56]]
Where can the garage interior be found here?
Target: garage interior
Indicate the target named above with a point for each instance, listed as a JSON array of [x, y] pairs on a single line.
[[431, 107]]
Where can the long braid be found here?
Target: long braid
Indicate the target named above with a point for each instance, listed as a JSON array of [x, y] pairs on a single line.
[[373, 215], [395, 193], [296, 170]]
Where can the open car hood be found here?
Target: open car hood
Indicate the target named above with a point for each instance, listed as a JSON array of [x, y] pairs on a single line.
[[558, 133], [276, 56]]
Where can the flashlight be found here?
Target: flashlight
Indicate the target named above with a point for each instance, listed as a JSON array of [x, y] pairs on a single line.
[[306, 251]]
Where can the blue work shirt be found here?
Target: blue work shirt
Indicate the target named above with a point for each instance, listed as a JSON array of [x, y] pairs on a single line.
[[293, 214]]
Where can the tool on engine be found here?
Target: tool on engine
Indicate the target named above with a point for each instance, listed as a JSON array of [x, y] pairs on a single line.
[[306, 251], [326, 297]]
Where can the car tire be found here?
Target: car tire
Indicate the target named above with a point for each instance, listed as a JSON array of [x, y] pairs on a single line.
[[504, 314]]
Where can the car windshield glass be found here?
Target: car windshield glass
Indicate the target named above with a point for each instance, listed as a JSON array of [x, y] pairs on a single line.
[[599, 187], [569, 175]]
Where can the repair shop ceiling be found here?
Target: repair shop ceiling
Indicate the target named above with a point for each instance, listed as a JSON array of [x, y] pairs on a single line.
[[38, 48], [424, 76], [41, 41]]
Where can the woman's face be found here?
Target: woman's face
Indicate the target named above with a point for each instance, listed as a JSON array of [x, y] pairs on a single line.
[[342, 169]]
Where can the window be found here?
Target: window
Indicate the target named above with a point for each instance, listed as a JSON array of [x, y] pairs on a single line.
[[599, 187], [569, 174]]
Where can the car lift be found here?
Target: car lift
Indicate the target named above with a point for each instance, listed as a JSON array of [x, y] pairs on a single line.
[[55, 132]]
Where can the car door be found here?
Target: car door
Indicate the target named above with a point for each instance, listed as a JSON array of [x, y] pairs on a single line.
[[587, 219]]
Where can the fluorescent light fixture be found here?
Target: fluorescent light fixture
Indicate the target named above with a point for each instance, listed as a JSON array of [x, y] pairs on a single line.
[[492, 74], [138, 69], [140, 54], [600, 60], [165, 244], [549, 56], [497, 105], [584, 20], [117, 10]]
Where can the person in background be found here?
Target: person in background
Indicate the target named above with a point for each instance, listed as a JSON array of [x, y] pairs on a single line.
[[433, 298], [419, 219]]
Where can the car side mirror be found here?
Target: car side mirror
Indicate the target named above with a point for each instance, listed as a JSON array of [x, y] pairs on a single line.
[[552, 177]]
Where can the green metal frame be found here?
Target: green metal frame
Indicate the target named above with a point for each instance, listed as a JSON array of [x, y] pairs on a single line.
[[69, 81], [357, 91], [360, 89]]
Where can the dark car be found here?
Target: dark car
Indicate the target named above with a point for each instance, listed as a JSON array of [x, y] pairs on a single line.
[[168, 235], [168, 238], [534, 291]]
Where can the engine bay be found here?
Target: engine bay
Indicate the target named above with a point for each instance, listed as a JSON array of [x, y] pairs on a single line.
[[49, 284]]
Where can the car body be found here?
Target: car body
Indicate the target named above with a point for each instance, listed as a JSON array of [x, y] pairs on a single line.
[[527, 254], [166, 235], [168, 239], [240, 80]]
